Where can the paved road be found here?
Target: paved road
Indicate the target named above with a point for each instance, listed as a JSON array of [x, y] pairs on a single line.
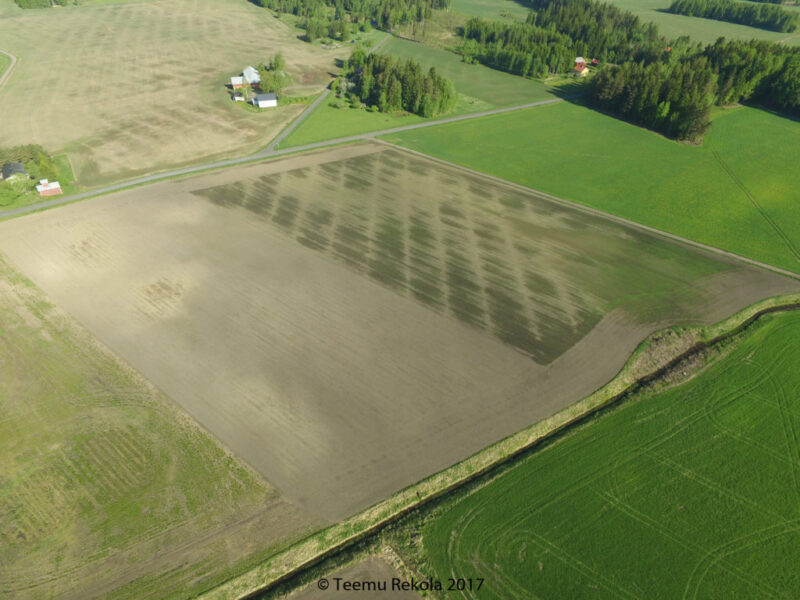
[[266, 153], [5, 75]]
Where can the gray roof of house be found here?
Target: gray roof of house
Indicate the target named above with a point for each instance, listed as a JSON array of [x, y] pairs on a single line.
[[13, 168], [269, 96]]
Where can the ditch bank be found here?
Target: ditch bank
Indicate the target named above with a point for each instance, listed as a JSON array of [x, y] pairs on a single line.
[[655, 356]]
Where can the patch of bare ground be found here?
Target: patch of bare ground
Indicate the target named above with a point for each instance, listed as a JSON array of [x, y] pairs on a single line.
[[354, 320]]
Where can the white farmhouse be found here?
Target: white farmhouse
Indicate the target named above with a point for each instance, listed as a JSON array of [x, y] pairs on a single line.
[[265, 100]]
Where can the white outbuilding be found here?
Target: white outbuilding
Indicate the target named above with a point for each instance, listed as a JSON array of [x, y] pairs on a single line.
[[265, 100]]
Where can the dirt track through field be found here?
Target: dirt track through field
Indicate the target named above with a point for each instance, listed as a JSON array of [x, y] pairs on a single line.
[[337, 388]]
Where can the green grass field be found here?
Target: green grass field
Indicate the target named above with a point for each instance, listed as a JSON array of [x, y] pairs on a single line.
[[495, 88], [491, 9], [480, 88], [690, 492], [704, 193], [702, 30]]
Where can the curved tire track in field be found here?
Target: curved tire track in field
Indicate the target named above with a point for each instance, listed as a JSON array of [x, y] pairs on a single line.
[[10, 68]]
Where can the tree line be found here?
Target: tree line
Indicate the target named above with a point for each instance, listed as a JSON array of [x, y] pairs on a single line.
[[758, 71], [339, 19], [763, 16], [675, 97], [518, 48], [388, 84], [39, 3], [672, 98]]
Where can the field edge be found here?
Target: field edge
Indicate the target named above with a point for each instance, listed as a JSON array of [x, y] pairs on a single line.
[[656, 354]]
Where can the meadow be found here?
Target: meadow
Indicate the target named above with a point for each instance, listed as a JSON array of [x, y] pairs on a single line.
[[701, 30], [100, 470], [130, 88], [683, 492], [736, 192], [480, 88], [491, 9]]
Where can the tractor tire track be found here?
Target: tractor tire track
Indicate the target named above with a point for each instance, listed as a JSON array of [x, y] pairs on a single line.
[[770, 221]]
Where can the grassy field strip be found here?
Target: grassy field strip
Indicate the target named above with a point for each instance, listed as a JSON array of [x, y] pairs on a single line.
[[649, 360], [592, 211], [11, 61]]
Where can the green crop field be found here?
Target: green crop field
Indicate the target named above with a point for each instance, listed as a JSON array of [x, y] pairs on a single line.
[[480, 88], [495, 88], [737, 192], [690, 492], [101, 470], [702, 30]]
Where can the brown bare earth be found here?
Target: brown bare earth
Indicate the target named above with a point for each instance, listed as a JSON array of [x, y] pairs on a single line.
[[107, 489], [314, 359], [370, 570], [128, 88]]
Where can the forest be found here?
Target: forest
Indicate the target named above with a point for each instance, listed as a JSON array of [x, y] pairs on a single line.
[[390, 85], [763, 16], [757, 71], [548, 41], [338, 19], [518, 48], [667, 86], [598, 30], [674, 98]]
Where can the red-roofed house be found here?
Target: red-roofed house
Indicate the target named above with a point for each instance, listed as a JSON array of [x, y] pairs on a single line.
[[48, 188]]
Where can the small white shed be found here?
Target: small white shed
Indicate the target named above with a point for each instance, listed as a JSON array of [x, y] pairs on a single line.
[[265, 100]]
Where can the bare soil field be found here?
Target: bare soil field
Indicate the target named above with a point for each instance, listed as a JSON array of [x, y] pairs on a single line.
[[279, 304], [106, 489], [136, 87]]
